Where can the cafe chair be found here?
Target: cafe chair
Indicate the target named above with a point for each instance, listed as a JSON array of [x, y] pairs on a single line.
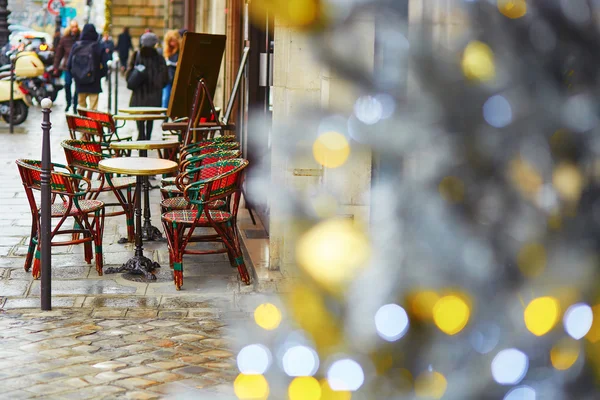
[[193, 171], [83, 157], [169, 189], [107, 121], [68, 200], [225, 182], [170, 180], [86, 129]]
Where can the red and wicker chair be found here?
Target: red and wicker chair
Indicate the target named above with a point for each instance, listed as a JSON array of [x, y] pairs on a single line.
[[83, 157], [225, 182], [170, 180], [193, 171], [107, 121], [68, 200], [86, 129], [169, 189]]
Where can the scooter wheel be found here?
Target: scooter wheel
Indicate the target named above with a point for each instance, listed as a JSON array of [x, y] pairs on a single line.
[[19, 113]]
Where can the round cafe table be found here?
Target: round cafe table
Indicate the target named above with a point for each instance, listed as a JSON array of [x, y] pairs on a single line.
[[141, 168], [143, 110], [149, 232]]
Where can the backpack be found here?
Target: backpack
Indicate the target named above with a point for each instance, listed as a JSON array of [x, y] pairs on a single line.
[[84, 63]]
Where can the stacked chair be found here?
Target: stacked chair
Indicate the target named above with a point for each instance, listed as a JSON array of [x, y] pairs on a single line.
[[205, 194], [69, 193], [216, 182]]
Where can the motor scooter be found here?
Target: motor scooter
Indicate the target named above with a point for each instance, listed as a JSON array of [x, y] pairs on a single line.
[[27, 65]]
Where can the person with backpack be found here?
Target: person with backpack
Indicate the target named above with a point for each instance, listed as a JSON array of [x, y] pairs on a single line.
[[146, 77], [86, 67]]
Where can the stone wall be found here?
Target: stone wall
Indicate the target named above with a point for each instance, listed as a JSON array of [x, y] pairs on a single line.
[[138, 15]]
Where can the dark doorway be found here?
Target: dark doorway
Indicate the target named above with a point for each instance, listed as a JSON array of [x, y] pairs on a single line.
[[257, 146]]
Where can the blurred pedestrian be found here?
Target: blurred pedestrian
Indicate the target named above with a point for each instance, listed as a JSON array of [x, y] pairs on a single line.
[[108, 47], [61, 58], [124, 45], [85, 64], [171, 46], [149, 92]]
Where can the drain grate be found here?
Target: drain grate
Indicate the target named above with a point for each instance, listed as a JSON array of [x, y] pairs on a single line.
[[256, 234]]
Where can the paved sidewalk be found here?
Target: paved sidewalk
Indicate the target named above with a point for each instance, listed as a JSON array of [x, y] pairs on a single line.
[[110, 336]]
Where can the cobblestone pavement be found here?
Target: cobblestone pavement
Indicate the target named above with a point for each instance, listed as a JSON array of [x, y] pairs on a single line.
[[71, 354], [110, 336]]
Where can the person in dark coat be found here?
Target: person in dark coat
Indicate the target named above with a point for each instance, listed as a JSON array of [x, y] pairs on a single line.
[[61, 57], [108, 47], [90, 91], [124, 45], [149, 93]]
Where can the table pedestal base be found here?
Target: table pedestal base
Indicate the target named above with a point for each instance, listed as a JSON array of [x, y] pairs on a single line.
[[151, 233], [137, 265]]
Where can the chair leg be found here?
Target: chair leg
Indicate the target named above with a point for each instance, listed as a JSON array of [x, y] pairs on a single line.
[[98, 233], [174, 234], [230, 239], [76, 225], [87, 249], [36, 272], [31, 248]]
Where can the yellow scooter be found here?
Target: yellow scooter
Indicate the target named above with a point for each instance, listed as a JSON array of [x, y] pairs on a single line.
[[27, 65]]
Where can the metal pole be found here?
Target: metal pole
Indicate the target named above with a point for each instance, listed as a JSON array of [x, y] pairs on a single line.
[[117, 86], [109, 82], [11, 103], [46, 205]]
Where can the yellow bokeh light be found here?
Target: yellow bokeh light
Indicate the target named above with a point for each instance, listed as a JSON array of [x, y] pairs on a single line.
[[541, 315], [422, 303], [512, 8], [304, 388], [525, 177], [531, 259], [452, 189], [267, 316], [568, 181], [451, 314], [302, 14], [405, 381], [309, 311], [327, 393], [431, 385], [251, 387], [478, 62], [331, 149], [594, 334], [332, 252], [555, 221], [564, 354]]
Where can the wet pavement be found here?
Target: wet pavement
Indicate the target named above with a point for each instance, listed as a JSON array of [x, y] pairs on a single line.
[[111, 336]]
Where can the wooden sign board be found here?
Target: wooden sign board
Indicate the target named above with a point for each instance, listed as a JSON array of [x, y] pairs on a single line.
[[200, 58]]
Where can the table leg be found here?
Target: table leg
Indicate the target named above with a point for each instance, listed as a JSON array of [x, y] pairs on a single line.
[[138, 263], [149, 232]]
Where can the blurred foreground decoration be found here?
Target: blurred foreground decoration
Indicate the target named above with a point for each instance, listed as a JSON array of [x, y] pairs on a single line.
[[477, 278]]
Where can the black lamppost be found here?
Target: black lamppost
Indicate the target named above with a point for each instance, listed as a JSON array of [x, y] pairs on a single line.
[[4, 13]]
